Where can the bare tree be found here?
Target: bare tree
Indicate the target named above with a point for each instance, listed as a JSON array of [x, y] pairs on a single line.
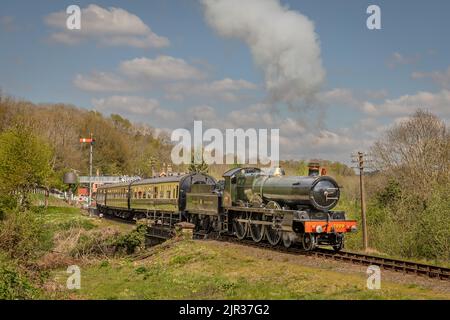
[[416, 150]]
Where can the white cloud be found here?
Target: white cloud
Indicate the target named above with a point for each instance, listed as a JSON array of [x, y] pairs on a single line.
[[224, 89], [175, 77], [230, 84], [400, 59], [338, 96], [283, 44], [438, 103], [109, 27], [377, 94], [102, 82], [134, 107], [161, 68], [203, 113], [138, 74], [442, 79]]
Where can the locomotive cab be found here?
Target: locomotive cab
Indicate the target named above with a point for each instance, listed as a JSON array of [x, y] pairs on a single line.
[[237, 183]]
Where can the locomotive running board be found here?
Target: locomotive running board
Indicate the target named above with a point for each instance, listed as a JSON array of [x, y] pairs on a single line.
[[260, 210], [268, 223]]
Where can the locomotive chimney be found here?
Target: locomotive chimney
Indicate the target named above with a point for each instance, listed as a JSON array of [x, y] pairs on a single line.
[[313, 168]]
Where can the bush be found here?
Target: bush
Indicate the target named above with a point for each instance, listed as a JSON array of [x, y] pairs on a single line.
[[109, 242], [403, 224], [432, 232], [130, 242], [14, 285], [22, 236], [96, 243], [6, 204]]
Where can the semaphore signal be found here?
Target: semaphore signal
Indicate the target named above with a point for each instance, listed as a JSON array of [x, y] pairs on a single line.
[[91, 141]]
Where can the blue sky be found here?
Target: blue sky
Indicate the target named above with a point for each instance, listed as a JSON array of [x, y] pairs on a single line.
[[372, 78]]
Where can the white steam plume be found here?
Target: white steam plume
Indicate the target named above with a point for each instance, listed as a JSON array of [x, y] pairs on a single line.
[[283, 44]]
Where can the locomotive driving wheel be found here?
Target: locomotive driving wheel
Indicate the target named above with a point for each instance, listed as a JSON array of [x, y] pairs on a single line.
[[240, 228], [273, 234], [256, 229], [308, 241], [339, 245], [288, 239]]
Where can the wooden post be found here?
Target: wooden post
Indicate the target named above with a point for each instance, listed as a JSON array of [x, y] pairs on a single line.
[[363, 200]]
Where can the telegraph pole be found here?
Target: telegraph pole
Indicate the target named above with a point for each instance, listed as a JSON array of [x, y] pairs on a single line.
[[360, 162]]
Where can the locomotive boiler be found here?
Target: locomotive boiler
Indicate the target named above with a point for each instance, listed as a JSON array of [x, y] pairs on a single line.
[[320, 193]]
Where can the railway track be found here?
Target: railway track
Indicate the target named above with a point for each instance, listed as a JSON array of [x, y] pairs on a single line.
[[406, 267]]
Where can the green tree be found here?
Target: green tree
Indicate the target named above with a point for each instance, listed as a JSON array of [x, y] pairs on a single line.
[[302, 168], [198, 167], [24, 163]]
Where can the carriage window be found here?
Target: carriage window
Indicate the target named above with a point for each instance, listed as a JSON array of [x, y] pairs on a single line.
[[155, 192], [168, 194]]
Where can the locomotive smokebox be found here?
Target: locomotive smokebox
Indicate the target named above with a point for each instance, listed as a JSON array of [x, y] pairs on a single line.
[[70, 178]]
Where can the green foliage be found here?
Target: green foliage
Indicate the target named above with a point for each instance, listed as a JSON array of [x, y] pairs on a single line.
[[338, 169], [109, 243], [24, 162], [96, 243], [390, 194], [121, 147], [23, 236], [302, 168], [13, 284], [120, 122], [198, 167], [7, 203], [130, 242], [400, 224], [432, 231], [76, 224]]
